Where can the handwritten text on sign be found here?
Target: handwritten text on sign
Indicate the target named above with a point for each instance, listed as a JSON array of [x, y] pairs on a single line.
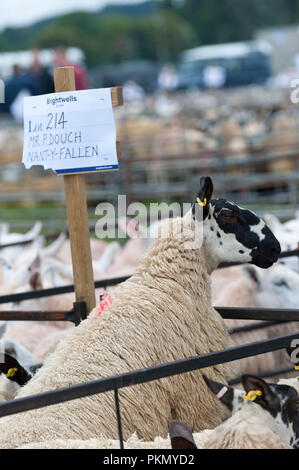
[[70, 132]]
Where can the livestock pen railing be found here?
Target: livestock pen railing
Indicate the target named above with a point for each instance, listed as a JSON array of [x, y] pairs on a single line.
[[141, 376], [267, 315], [78, 312], [269, 176]]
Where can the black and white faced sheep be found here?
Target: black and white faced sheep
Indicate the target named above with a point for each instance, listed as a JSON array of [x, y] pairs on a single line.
[[14, 371], [293, 352], [265, 416], [162, 313], [232, 233]]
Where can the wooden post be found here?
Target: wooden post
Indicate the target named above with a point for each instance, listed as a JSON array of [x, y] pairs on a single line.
[[76, 206]]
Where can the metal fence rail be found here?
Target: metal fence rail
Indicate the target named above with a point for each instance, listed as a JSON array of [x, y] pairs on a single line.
[[269, 317], [75, 315], [255, 326], [142, 376], [103, 283], [37, 294], [269, 314]]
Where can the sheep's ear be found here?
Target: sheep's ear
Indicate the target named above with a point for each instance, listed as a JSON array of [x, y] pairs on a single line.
[[53, 248], [253, 275], [135, 229], [35, 281], [224, 393], [261, 393], [180, 436], [203, 198], [35, 263]]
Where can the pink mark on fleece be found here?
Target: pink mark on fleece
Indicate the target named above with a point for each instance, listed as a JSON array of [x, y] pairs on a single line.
[[104, 302]]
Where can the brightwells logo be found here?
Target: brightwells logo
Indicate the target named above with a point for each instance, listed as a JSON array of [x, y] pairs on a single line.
[[60, 100]]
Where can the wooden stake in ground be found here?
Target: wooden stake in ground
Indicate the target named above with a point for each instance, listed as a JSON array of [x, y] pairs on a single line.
[[76, 206]]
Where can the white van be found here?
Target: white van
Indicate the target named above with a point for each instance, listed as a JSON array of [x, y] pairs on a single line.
[[220, 65]]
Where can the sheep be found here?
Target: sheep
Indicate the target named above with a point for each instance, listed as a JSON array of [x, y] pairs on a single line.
[[17, 273], [17, 353], [162, 313], [129, 257], [264, 416], [10, 253], [267, 417], [251, 287], [39, 338], [47, 272], [293, 381], [287, 234], [103, 443], [14, 371]]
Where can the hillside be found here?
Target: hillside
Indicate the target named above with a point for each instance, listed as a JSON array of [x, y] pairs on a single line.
[[152, 29]]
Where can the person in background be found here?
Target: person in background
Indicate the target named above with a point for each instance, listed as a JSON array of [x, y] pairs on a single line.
[[61, 60], [44, 80], [168, 78], [132, 91], [214, 75], [17, 86]]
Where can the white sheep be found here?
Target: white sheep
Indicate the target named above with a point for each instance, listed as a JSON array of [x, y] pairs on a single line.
[[103, 443], [133, 442], [251, 287], [162, 313], [10, 253], [8, 388], [264, 416], [46, 272], [287, 234]]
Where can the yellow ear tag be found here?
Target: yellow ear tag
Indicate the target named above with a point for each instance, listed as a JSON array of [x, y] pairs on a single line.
[[204, 203], [11, 372], [251, 395]]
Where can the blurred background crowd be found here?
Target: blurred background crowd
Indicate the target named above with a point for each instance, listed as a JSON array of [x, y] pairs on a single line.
[[210, 87]]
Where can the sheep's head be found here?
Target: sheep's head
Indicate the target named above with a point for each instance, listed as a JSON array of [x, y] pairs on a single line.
[[280, 401], [231, 233], [293, 352], [277, 286], [13, 370]]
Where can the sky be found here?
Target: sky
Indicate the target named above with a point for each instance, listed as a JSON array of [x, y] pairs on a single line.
[[26, 12]]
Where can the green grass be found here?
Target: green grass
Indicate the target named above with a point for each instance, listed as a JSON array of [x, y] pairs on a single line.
[[22, 216]]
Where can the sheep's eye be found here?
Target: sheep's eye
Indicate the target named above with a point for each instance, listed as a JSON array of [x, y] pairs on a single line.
[[228, 216], [281, 283]]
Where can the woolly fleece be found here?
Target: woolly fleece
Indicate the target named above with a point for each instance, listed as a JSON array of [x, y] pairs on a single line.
[[161, 314]]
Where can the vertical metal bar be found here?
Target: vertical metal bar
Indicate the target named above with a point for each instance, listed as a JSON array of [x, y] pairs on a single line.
[[120, 432]]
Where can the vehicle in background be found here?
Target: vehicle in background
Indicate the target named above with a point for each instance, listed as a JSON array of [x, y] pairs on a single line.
[[225, 65]]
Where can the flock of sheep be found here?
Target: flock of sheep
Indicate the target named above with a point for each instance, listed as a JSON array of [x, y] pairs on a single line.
[[163, 312], [227, 123]]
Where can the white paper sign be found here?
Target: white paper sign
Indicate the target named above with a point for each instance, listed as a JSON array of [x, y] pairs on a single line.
[[70, 132]]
